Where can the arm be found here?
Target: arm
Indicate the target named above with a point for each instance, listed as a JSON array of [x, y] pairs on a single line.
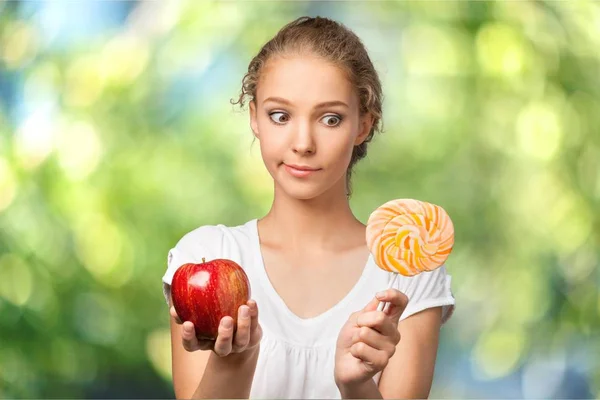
[[416, 349], [205, 374], [409, 374], [365, 390]]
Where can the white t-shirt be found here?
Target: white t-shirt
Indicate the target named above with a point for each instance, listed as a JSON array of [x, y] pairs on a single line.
[[296, 358]]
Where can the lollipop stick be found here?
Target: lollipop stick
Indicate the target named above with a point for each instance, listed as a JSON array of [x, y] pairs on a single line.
[[382, 304]]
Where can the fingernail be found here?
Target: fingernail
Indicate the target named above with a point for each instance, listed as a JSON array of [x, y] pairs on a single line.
[[227, 324], [188, 329], [380, 295], [245, 312]]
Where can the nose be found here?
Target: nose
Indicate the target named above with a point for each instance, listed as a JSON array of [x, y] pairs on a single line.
[[303, 140]]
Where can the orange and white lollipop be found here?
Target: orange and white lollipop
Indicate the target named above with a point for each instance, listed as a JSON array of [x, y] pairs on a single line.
[[409, 236]]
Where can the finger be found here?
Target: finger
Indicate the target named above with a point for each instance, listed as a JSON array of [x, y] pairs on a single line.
[[253, 314], [397, 302], [242, 334], [374, 360], [379, 321], [175, 316], [372, 305], [224, 338], [188, 336], [376, 340]]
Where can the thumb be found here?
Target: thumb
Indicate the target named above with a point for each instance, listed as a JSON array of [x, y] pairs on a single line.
[[398, 302], [372, 305]]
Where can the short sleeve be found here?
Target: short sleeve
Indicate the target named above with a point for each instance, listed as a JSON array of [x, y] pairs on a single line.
[[426, 290], [203, 242]]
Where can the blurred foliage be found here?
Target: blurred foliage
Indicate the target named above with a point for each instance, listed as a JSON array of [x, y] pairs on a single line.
[[117, 137]]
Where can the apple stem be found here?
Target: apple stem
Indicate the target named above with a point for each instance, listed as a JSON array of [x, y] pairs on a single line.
[[203, 260]]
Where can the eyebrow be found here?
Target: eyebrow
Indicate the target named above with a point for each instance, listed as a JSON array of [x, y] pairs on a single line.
[[320, 105]]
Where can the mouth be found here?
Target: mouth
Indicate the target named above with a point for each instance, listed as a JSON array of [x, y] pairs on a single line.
[[300, 171]]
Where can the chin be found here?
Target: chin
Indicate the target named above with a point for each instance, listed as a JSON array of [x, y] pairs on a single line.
[[301, 192]]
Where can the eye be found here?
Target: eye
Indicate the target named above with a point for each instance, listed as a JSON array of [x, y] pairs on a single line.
[[329, 118], [277, 120]]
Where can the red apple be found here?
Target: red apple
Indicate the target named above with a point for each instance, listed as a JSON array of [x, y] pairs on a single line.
[[206, 292]]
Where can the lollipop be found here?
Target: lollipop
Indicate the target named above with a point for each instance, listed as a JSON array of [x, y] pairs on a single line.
[[408, 237]]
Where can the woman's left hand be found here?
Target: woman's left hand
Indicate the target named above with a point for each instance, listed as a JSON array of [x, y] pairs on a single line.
[[368, 339]]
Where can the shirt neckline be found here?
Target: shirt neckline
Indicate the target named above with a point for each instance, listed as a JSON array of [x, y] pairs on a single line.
[[271, 292]]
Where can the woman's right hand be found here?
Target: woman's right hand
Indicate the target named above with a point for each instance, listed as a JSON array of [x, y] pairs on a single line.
[[246, 337]]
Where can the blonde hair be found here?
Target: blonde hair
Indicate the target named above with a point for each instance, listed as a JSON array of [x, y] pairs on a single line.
[[335, 43]]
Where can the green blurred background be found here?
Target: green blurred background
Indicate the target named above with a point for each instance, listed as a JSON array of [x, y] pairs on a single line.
[[117, 137]]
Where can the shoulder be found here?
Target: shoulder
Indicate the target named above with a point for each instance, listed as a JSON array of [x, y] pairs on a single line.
[[215, 241], [428, 289], [426, 281], [204, 235], [210, 242]]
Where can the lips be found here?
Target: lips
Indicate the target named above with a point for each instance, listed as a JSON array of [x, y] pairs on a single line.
[[302, 167], [300, 171]]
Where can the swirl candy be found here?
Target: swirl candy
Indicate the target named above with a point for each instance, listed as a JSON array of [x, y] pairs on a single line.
[[409, 236]]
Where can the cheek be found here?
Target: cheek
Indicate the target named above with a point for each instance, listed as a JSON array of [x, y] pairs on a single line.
[[340, 151], [271, 149], [267, 151]]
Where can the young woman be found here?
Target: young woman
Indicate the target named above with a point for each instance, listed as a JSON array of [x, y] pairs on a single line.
[[315, 103]]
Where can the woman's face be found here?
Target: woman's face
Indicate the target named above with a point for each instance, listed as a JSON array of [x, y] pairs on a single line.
[[306, 114]]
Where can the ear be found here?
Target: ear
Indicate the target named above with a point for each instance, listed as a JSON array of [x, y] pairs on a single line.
[[366, 123], [253, 119]]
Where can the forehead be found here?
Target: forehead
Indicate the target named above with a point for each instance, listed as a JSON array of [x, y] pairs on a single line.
[[304, 80]]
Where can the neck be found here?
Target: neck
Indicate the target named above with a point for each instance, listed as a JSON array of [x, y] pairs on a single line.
[[322, 223]]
